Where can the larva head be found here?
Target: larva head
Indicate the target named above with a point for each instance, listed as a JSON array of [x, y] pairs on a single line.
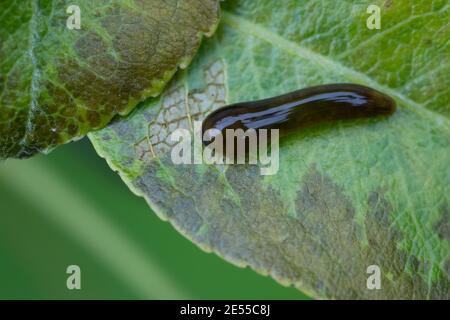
[[377, 103]]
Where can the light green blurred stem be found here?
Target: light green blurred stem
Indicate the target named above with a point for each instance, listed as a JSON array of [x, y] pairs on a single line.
[[81, 219]]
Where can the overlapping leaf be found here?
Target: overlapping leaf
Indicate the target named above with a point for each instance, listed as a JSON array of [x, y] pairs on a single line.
[[57, 83]]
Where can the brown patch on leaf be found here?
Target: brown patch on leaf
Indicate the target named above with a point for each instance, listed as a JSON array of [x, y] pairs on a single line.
[[442, 227], [319, 250]]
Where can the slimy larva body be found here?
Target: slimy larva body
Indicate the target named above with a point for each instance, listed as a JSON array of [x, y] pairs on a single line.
[[302, 109]]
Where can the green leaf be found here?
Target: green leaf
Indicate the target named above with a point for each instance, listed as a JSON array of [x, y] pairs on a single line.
[[58, 83], [347, 195]]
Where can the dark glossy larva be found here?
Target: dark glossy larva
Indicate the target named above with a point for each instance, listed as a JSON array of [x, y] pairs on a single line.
[[302, 109]]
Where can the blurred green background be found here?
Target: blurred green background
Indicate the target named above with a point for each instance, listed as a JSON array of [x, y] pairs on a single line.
[[70, 208]]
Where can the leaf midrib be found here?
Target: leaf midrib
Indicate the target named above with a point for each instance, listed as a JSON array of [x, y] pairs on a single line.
[[35, 78], [245, 26]]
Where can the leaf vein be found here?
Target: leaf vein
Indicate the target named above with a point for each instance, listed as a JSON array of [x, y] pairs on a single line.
[[35, 78]]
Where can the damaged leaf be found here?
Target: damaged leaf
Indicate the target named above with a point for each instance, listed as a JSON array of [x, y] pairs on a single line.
[[348, 195]]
